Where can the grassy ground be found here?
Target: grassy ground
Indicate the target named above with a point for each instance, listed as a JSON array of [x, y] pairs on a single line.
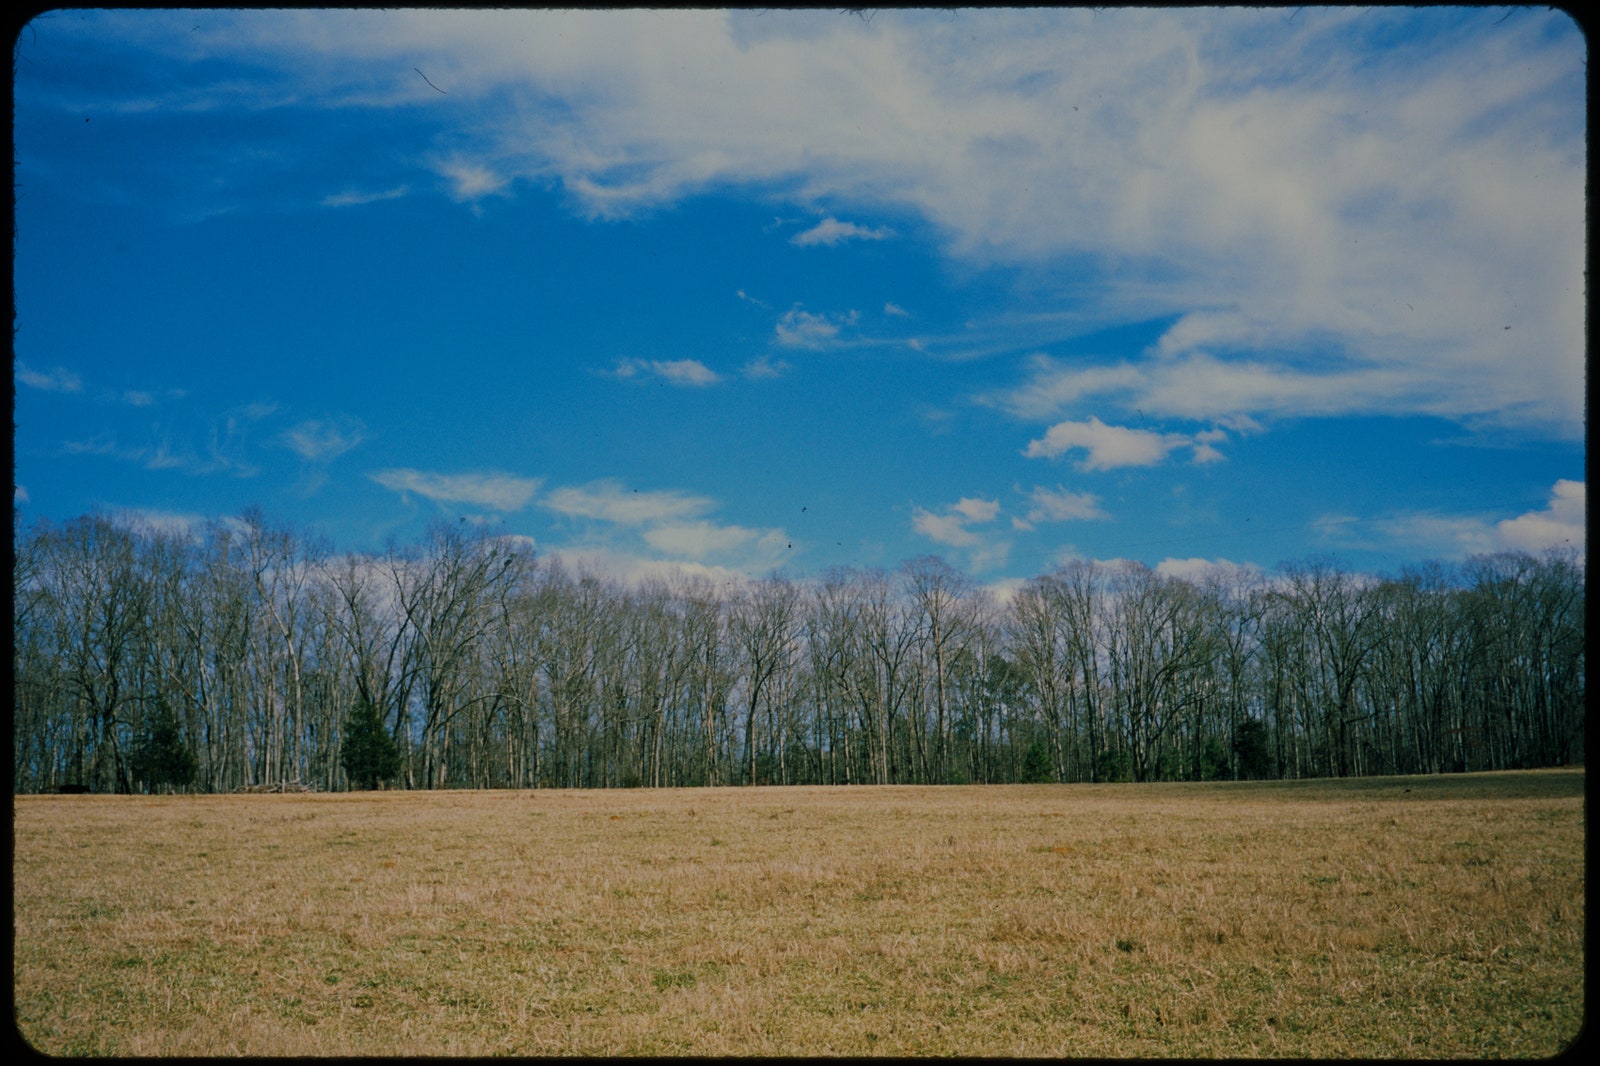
[[1392, 917]]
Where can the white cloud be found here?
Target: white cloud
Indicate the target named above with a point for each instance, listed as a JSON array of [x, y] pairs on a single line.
[[497, 491], [1401, 189], [1196, 570], [1108, 447], [611, 501], [831, 231], [170, 522], [945, 528], [697, 540], [669, 523], [1005, 589], [951, 527], [19, 495], [632, 569], [1200, 386], [690, 372], [1061, 506], [765, 369], [686, 372], [1413, 531], [518, 540], [472, 181], [802, 329], [1561, 524], [57, 380], [1334, 526], [974, 510], [323, 440], [896, 310], [1053, 387]]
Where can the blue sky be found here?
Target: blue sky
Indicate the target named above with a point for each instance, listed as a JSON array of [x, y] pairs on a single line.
[[749, 291]]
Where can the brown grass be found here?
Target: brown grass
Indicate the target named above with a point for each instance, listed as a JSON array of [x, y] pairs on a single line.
[[1393, 917]]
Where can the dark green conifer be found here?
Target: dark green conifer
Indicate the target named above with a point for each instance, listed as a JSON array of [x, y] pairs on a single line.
[[370, 754], [160, 757], [1036, 764], [1251, 749]]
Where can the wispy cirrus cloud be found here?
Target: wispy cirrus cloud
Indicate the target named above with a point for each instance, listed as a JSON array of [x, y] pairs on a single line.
[[358, 198], [471, 181], [144, 397], [831, 231], [163, 451], [492, 489], [323, 440], [220, 445], [57, 380]]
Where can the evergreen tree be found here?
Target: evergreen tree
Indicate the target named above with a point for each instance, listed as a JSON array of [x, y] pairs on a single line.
[[1250, 748], [1036, 764], [1114, 764], [160, 756], [370, 754], [1213, 761]]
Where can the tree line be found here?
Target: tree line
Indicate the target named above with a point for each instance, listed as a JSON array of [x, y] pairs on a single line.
[[249, 653]]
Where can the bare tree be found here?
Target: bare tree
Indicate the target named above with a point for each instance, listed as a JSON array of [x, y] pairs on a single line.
[[1038, 631], [1160, 646], [762, 623], [98, 596], [1335, 628], [248, 644], [447, 594], [947, 613]]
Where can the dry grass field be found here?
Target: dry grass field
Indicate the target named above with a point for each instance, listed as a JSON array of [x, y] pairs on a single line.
[[1404, 917]]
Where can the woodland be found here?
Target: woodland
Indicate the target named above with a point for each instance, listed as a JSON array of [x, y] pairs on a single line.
[[249, 654]]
